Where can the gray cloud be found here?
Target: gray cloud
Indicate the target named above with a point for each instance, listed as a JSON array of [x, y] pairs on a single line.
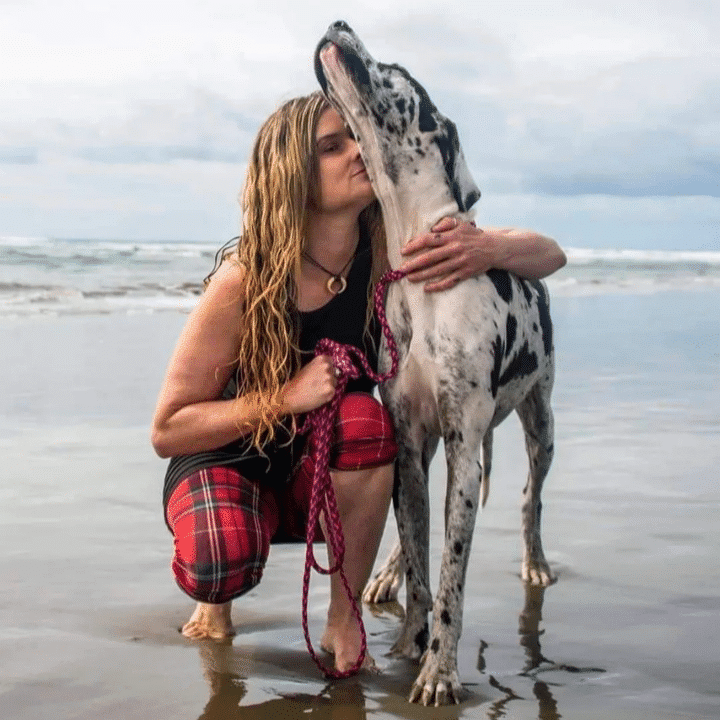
[[646, 128], [196, 125], [115, 154], [703, 182], [10, 155]]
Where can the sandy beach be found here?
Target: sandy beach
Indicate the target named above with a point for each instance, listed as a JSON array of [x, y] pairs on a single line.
[[90, 613]]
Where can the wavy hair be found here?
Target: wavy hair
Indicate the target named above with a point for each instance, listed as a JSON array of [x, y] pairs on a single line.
[[281, 178]]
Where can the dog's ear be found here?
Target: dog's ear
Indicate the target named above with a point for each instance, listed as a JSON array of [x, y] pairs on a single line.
[[460, 181], [466, 192]]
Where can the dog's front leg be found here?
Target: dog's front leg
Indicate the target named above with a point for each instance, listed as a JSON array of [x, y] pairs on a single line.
[[438, 682]]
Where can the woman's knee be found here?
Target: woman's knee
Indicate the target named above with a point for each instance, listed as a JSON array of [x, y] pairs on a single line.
[[364, 434], [222, 534]]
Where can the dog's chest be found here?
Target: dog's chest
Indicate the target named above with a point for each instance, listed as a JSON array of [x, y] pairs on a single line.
[[490, 337]]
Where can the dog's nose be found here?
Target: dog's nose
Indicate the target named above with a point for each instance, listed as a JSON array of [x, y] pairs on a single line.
[[341, 25]]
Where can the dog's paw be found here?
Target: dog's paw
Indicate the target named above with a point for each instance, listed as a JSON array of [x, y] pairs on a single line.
[[384, 587], [393, 608], [386, 584], [412, 642], [435, 686], [538, 572], [407, 650]]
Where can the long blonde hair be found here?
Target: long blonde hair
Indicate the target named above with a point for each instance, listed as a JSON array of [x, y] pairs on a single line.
[[281, 176]]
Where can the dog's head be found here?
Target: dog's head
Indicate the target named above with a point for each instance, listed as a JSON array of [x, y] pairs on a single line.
[[402, 135]]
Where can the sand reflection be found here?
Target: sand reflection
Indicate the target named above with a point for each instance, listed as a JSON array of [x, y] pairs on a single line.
[[535, 662], [226, 671]]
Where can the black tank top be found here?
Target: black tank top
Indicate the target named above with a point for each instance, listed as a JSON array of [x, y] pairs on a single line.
[[343, 319]]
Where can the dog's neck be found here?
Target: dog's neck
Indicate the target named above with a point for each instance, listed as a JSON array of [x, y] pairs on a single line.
[[412, 207], [411, 204]]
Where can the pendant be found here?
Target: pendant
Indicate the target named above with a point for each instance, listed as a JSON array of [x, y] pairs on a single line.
[[331, 284]]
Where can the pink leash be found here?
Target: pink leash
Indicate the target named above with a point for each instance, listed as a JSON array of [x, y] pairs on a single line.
[[321, 423]]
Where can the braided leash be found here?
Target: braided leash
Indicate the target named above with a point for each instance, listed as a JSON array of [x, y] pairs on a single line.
[[321, 423]]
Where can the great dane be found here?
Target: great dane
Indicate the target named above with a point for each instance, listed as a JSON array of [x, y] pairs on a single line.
[[468, 356]]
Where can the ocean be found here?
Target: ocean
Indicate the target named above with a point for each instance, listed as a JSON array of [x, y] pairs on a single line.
[[51, 276]]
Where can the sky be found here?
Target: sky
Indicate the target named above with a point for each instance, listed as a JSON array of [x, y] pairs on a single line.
[[594, 121]]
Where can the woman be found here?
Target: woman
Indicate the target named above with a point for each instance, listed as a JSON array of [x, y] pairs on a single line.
[[243, 370]]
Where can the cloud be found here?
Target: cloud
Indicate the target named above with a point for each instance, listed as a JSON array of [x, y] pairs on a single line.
[[647, 127], [192, 124], [140, 154], [71, 197], [605, 221], [18, 155], [196, 125], [644, 184]]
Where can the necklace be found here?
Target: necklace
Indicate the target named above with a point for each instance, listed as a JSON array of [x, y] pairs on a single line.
[[333, 279]]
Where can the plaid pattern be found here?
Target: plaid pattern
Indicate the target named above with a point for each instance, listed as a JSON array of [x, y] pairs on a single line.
[[364, 435], [223, 523]]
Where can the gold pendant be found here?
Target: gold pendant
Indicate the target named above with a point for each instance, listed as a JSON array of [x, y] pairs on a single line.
[[331, 284]]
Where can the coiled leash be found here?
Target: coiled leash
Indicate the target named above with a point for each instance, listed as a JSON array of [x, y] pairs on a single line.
[[320, 423]]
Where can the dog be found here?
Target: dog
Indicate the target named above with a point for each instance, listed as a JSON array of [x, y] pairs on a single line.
[[469, 356]]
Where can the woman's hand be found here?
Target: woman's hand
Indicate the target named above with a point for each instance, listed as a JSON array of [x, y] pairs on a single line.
[[312, 386], [455, 250], [452, 252]]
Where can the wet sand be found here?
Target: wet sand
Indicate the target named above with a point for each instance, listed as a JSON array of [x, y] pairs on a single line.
[[89, 615]]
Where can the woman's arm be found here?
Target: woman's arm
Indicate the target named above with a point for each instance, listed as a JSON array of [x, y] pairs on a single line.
[[455, 251], [189, 416]]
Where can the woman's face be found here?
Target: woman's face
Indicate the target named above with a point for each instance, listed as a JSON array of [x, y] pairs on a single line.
[[342, 183]]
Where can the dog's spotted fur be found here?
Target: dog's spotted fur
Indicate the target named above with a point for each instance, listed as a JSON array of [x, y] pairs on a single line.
[[469, 356]]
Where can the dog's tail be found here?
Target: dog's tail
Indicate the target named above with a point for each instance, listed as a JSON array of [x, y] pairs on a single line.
[[486, 466]]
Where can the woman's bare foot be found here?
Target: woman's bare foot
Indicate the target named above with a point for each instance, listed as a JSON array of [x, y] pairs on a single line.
[[343, 641], [209, 622]]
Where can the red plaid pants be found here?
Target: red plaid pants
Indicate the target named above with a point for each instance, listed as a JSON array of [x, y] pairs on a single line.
[[223, 523]]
